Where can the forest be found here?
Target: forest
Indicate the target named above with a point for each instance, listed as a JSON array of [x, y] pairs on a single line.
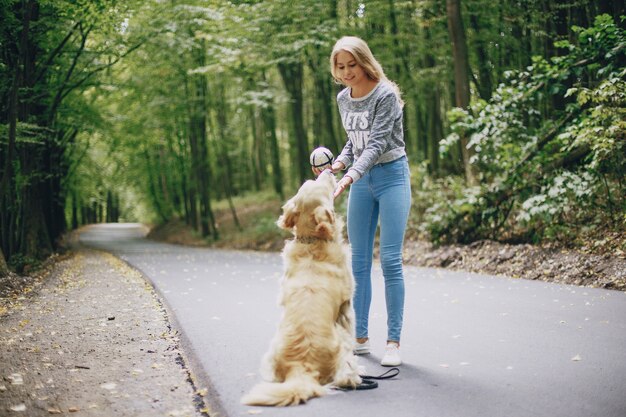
[[150, 110]]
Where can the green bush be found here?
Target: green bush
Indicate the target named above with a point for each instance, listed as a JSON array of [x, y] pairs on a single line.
[[545, 174], [21, 263]]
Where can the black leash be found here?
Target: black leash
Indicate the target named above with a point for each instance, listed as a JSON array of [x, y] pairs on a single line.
[[369, 381]]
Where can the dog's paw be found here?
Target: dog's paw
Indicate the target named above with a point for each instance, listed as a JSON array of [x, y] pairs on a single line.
[[350, 381]]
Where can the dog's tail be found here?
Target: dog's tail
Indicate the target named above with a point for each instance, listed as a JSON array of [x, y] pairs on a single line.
[[296, 389]]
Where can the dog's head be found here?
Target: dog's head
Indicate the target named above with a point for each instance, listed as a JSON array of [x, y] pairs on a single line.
[[311, 212]]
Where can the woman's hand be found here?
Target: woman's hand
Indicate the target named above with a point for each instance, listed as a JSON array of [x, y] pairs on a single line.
[[336, 167], [342, 185]]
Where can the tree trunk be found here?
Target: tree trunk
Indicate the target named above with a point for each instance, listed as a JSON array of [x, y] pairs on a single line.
[[291, 74], [256, 160], [200, 113], [485, 84], [55, 163], [164, 177], [110, 208], [432, 118], [192, 140], [436, 130], [402, 72], [4, 269], [461, 75], [421, 145], [74, 210], [182, 158], [153, 189], [324, 133], [227, 173], [36, 243], [196, 128], [198, 125], [269, 123], [8, 207]]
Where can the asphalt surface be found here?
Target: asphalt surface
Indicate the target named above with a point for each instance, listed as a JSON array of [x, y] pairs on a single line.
[[472, 345]]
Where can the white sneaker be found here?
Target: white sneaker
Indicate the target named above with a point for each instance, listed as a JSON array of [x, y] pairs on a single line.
[[392, 355], [362, 348]]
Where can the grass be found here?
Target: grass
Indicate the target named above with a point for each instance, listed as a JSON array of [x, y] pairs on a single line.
[[256, 214]]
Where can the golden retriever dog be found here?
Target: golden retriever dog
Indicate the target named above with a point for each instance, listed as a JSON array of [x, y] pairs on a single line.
[[312, 349]]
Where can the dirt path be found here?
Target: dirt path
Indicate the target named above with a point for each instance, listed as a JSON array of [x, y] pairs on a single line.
[[92, 339]]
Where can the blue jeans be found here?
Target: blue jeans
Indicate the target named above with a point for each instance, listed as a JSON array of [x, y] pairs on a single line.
[[384, 191]]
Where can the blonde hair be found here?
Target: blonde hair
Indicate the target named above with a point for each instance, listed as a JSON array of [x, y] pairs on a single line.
[[364, 58]]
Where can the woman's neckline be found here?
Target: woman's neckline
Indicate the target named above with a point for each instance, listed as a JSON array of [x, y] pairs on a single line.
[[366, 95]]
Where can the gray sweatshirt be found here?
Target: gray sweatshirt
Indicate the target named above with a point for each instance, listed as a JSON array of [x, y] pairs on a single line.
[[373, 124]]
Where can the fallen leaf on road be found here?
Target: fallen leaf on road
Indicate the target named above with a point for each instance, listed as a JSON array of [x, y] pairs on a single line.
[[577, 358], [73, 409], [19, 407], [109, 385], [179, 413], [16, 379], [54, 411]]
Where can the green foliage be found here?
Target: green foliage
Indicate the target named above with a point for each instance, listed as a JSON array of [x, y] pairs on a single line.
[[431, 198], [21, 263], [546, 173], [174, 106]]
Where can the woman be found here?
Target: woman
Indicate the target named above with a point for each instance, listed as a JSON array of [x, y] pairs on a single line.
[[378, 173]]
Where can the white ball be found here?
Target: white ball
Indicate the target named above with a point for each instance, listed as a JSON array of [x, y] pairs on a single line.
[[321, 158]]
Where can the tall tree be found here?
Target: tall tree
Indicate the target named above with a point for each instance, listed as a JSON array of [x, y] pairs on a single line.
[[461, 75], [292, 75], [268, 115], [484, 82]]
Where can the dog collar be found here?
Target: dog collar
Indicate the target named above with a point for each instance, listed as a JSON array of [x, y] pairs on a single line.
[[310, 239]]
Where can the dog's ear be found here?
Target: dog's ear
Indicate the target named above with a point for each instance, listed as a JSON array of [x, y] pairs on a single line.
[[324, 220], [289, 217]]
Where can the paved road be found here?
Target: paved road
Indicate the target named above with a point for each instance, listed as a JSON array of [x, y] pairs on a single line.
[[473, 345]]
